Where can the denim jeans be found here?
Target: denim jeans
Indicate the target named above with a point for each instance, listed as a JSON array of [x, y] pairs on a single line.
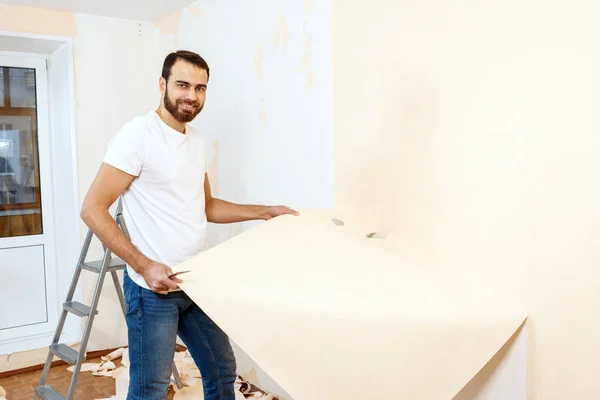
[[153, 323]]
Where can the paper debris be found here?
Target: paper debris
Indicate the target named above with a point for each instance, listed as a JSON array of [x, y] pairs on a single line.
[[125, 358], [242, 386], [191, 392], [188, 371], [114, 355], [186, 367], [117, 371], [2, 393], [98, 369], [86, 367], [103, 372], [254, 396], [109, 365], [121, 376], [197, 393], [239, 396]]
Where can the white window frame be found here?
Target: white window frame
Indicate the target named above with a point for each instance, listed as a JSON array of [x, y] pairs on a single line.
[[60, 215]]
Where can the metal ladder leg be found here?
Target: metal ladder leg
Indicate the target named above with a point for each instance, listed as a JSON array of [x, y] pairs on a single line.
[[88, 325], [67, 354], [64, 352], [69, 300]]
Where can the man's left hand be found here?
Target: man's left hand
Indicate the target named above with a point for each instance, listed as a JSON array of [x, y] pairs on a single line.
[[275, 211]]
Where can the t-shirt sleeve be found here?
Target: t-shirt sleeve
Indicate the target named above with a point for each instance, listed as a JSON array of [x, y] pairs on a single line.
[[127, 150]]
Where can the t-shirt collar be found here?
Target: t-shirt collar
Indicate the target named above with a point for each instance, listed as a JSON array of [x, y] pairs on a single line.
[[168, 129]]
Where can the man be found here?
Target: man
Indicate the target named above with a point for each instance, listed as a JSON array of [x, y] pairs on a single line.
[[157, 162]]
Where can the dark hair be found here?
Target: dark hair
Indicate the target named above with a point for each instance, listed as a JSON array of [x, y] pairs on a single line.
[[185, 55]]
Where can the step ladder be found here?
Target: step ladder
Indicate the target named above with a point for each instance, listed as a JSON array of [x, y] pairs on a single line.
[[66, 353]]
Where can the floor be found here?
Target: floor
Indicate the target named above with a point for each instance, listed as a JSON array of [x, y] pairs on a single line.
[[89, 387]]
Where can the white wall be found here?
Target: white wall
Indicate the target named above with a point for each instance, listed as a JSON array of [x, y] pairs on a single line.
[[116, 80], [268, 114], [65, 186]]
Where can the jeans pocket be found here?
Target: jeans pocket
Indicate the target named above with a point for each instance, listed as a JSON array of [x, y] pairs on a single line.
[[128, 289]]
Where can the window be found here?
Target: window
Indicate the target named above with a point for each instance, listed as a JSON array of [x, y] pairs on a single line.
[[20, 203]]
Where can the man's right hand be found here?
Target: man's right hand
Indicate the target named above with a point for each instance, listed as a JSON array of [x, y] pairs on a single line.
[[157, 278]]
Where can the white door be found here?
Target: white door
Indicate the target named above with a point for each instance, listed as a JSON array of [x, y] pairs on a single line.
[[28, 306]]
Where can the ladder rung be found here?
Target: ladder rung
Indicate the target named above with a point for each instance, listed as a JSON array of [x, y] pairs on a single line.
[[48, 393], [65, 353], [78, 309], [94, 266]]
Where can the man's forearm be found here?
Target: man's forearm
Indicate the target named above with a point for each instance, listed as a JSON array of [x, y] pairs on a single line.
[[223, 212], [106, 229]]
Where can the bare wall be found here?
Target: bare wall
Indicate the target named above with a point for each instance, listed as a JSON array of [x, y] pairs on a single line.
[[117, 80]]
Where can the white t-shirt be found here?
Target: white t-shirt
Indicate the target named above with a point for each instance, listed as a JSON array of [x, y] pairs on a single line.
[[164, 206]]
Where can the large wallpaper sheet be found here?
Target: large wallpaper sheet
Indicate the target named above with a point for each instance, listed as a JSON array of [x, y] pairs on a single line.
[[329, 312]]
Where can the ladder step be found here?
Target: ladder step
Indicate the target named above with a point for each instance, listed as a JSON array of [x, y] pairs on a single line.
[[64, 352], [48, 393], [75, 307], [94, 266]]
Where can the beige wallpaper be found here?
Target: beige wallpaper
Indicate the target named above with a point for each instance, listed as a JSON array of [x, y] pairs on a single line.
[[468, 131]]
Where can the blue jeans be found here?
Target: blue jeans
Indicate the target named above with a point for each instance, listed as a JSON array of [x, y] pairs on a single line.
[[153, 323]]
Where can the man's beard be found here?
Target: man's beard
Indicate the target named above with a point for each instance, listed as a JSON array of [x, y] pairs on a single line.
[[181, 115]]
